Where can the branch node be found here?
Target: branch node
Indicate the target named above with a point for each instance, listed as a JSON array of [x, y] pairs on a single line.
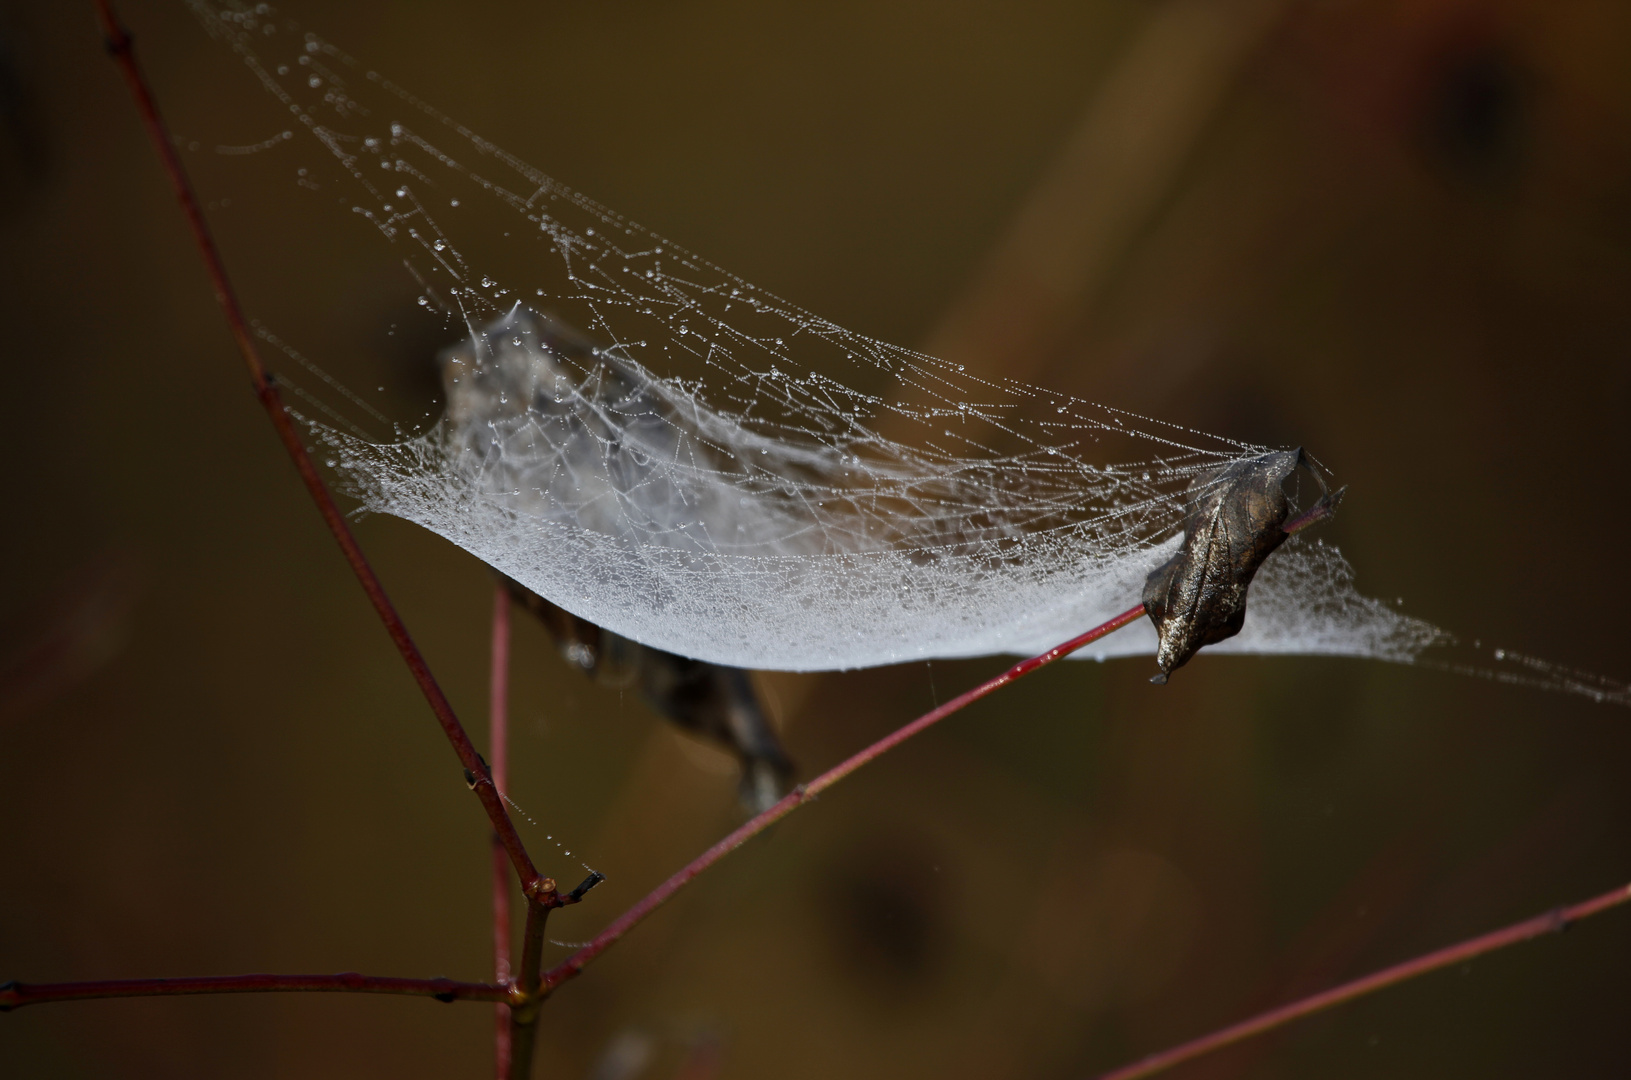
[[540, 890], [116, 39]]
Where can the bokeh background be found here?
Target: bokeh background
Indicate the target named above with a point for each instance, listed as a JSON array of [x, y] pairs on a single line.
[[1397, 232]]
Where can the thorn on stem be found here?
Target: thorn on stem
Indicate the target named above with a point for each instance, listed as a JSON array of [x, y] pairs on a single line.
[[472, 780]]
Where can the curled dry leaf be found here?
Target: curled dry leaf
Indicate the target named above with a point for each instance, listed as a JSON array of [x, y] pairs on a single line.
[[1235, 518]]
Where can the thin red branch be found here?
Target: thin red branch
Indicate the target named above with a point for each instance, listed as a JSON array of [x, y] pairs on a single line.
[[15, 995], [575, 963], [120, 47], [498, 738], [1551, 922]]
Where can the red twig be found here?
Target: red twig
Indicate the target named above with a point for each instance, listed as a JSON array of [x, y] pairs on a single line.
[[15, 995], [575, 963], [1551, 922], [498, 738], [119, 46]]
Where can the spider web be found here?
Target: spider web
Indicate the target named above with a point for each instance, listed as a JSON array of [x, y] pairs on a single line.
[[664, 449]]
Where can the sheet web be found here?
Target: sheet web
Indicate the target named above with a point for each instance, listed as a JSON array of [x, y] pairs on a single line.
[[660, 447]]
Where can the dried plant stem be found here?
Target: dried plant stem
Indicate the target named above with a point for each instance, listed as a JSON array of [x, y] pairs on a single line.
[[15, 995], [575, 963], [1551, 922], [120, 47], [498, 739]]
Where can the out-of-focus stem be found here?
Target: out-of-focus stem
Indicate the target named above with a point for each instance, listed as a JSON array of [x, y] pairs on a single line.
[[498, 738], [1549, 923], [572, 965], [119, 46], [15, 995]]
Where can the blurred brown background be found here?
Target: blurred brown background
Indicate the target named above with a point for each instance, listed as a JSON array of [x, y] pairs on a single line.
[[1397, 232]]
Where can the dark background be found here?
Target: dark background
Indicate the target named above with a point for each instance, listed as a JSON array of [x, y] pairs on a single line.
[[1397, 232]]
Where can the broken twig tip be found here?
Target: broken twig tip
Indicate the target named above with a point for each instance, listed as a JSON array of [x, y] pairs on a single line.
[[595, 878]]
